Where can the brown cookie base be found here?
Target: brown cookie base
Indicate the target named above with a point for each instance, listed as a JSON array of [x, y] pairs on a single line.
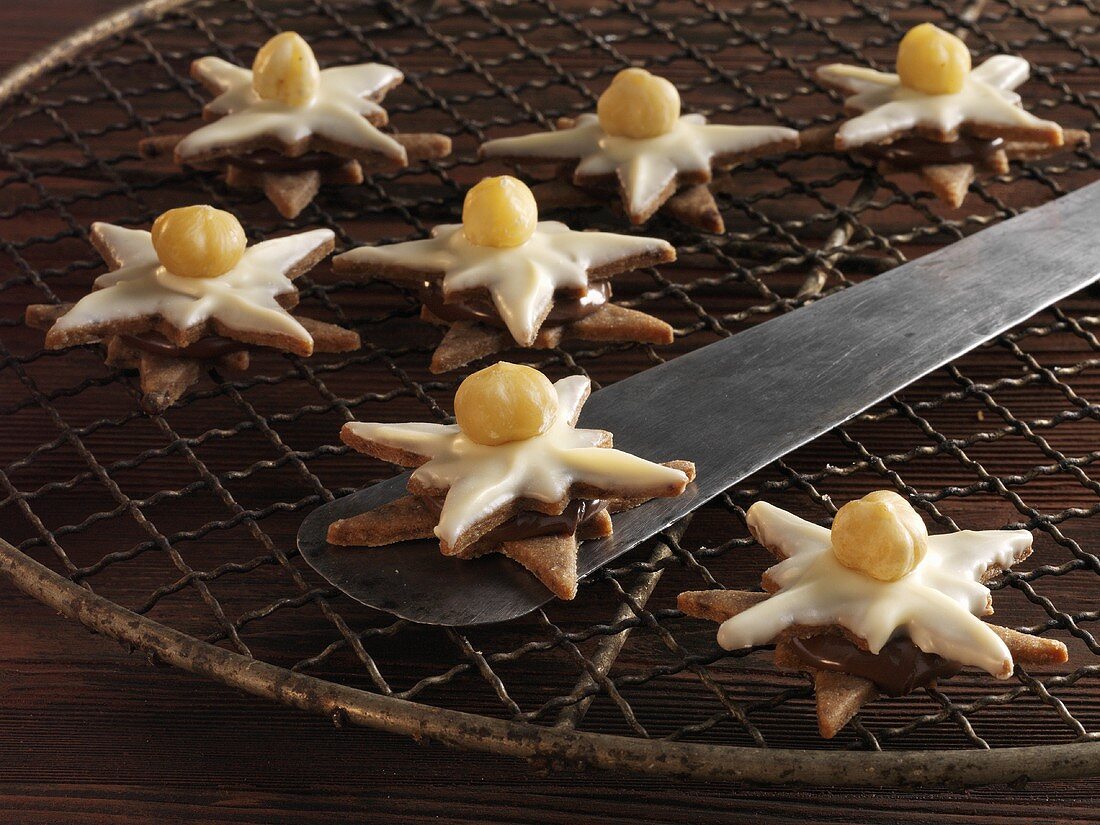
[[693, 205], [950, 182], [468, 341], [552, 559], [292, 190], [164, 378]]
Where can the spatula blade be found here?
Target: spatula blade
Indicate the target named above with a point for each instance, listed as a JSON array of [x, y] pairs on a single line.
[[736, 405]]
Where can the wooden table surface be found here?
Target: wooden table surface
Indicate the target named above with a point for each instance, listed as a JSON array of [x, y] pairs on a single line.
[[90, 733]]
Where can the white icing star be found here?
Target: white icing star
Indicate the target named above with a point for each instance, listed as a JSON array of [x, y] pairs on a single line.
[[521, 279], [644, 167], [481, 479], [340, 111], [243, 299], [936, 605], [986, 99]]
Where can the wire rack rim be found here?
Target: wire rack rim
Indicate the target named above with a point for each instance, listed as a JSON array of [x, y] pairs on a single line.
[[13, 82], [556, 747]]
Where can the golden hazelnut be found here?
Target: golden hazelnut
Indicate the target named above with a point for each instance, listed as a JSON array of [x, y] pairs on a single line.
[[880, 535], [198, 241], [285, 69], [638, 105], [932, 61], [499, 212], [505, 402]]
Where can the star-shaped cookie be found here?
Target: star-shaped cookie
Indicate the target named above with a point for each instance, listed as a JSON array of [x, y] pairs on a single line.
[[670, 163], [342, 118], [646, 173], [986, 106], [290, 144], [854, 633], [555, 283], [170, 326], [943, 137], [465, 493]]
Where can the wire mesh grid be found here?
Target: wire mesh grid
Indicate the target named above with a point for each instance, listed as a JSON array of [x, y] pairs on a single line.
[[189, 517]]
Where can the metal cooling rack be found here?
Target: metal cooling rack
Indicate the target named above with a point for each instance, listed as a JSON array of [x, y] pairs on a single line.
[[175, 533]]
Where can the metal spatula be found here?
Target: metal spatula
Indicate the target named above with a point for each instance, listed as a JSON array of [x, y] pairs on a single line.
[[738, 404]]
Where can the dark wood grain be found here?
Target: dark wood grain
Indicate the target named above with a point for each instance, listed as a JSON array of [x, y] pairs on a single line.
[[90, 733]]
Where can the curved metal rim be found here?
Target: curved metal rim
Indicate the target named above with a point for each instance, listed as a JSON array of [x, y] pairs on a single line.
[[425, 723], [13, 82], [554, 746]]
